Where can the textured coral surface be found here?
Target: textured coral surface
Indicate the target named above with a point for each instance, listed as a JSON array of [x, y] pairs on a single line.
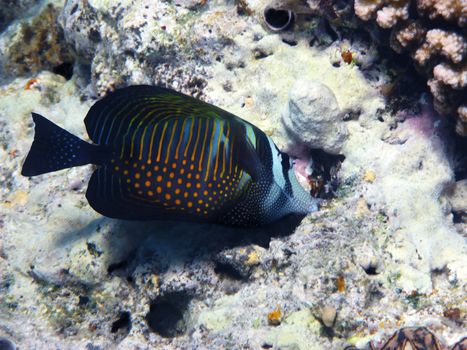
[[386, 250], [440, 53]]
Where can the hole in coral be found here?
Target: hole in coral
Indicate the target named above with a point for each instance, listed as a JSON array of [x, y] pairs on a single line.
[[83, 300], [6, 344], [278, 19], [259, 54], [93, 249], [123, 323], [117, 266], [166, 315], [458, 218], [65, 70], [289, 41], [74, 9], [371, 270], [227, 271]]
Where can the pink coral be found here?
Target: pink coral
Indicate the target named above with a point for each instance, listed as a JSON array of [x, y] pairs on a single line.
[[449, 10], [437, 41], [439, 54], [407, 36], [388, 16], [448, 75], [365, 9]]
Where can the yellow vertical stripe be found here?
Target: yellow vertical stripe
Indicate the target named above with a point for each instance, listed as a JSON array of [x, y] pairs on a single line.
[[210, 149], [226, 143], [216, 165], [190, 136], [197, 139], [231, 153], [160, 142], [174, 126], [180, 138], [204, 144], [151, 144]]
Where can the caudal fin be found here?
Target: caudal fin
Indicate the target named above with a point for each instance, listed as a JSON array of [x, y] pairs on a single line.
[[54, 148]]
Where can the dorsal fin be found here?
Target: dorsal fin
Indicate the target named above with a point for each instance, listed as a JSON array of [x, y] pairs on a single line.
[[114, 113]]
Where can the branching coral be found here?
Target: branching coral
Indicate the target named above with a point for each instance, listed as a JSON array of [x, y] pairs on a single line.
[[439, 54], [449, 10], [440, 42]]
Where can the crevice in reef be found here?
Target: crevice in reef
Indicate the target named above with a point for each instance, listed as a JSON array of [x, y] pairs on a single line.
[[227, 271], [167, 314], [323, 180], [123, 324]]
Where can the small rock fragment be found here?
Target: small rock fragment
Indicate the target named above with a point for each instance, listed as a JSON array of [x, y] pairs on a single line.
[[362, 208], [369, 176], [328, 315]]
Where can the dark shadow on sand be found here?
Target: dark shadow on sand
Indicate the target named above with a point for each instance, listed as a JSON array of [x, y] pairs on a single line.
[[128, 244]]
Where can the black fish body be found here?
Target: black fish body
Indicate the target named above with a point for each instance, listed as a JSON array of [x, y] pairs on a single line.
[[164, 155]]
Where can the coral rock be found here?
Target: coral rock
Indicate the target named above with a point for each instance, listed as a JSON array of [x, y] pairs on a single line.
[[328, 315], [314, 118]]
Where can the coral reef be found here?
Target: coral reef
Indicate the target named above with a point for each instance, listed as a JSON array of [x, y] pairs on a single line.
[[385, 253], [11, 10], [37, 45], [156, 42], [439, 53]]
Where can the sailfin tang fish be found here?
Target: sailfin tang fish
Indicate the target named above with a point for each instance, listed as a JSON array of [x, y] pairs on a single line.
[[163, 155]]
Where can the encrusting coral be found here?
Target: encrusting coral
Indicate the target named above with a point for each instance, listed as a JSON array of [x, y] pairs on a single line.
[[38, 45], [439, 54]]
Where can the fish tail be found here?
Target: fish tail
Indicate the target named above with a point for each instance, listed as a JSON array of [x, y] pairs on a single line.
[[54, 148]]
